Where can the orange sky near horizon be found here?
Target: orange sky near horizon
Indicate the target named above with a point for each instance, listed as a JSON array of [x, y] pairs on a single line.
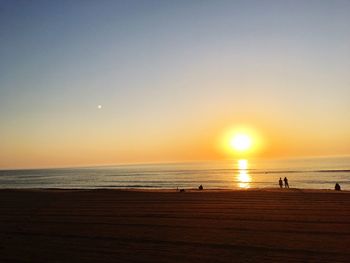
[[207, 143]]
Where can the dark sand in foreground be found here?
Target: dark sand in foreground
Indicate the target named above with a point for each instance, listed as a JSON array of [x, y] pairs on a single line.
[[149, 226]]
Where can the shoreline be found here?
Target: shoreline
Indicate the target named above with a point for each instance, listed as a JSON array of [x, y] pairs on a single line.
[[171, 190]]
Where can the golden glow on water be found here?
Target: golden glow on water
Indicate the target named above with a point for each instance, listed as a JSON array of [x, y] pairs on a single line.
[[243, 176], [242, 164]]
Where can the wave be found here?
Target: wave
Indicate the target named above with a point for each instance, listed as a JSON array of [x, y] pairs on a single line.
[[130, 186]]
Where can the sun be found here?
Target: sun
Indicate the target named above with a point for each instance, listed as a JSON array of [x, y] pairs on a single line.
[[241, 142]]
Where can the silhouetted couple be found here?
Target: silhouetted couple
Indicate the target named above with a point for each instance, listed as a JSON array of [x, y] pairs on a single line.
[[286, 185]]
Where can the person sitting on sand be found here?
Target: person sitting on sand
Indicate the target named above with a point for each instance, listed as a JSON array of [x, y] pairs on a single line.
[[337, 187], [200, 187], [286, 185], [280, 182]]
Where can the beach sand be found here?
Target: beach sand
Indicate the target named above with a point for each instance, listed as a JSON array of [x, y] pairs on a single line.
[[167, 226]]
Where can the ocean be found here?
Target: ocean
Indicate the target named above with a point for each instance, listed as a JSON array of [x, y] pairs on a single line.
[[308, 173]]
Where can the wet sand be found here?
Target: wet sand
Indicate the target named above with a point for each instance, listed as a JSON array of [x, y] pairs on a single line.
[[166, 226]]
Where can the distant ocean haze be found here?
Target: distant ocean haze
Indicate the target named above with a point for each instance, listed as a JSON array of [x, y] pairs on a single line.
[[309, 173]]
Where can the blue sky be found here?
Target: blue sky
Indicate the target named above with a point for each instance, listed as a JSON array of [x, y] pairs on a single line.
[[169, 72]]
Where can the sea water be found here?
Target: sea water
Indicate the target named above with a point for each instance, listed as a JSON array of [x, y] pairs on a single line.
[[309, 173]]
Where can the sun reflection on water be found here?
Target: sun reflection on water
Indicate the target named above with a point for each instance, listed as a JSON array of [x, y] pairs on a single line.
[[243, 177]]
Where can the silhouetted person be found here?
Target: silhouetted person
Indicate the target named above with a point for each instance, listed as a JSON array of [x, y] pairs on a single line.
[[280, 182], [200, 187], [337, 187], [286, 185]]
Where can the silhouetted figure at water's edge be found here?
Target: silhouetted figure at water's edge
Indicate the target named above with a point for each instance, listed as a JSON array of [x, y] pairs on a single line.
[[337, 187], [280, 182]]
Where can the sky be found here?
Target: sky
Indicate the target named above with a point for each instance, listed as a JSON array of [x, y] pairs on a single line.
[[172, 77]]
